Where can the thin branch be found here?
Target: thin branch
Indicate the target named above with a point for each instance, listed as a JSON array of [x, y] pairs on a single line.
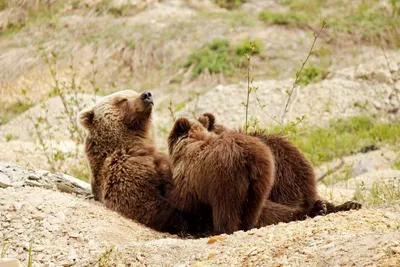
[[316, 35], [248, 92], [171, 111], [333, 170], [390, 72]]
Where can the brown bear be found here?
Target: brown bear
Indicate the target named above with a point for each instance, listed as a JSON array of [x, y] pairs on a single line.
[[230, 172], [295, 183], [128, 174]]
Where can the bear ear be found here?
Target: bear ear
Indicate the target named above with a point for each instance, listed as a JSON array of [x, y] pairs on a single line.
[[181, 126], [207, 120], [86, 118]]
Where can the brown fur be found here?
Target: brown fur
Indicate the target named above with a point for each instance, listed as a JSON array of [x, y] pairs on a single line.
[[127, 173], [294, 194], [232, 173]]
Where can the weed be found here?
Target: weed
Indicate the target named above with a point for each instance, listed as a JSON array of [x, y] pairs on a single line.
[[219, 56], [214, 57], [104, 257], [30, 258], [12, 110], [229, 4], [60, 156], [10, 137], [283, 18], [249, 47], [4, 248], [381, 191], [311, 74]]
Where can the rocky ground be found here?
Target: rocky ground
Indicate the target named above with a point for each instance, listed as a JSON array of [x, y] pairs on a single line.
[[143, 45], [67, 229]]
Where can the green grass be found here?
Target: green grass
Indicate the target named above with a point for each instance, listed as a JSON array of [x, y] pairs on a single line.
[[214, 57], [244, 48], [218, 56], [12, 110], [229, 4], [343, 137], [283, 18], [311, 74], [382, 191], [366, 20]]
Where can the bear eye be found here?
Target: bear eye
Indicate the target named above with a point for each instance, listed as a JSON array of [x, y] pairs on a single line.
[[121, 100]]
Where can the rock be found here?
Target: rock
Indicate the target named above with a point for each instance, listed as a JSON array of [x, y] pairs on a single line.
[[215, 239], [359, 163], [395, 250], [5, 181], [14, 176], [6, 262]]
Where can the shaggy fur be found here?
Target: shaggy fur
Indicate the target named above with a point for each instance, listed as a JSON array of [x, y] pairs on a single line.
[[232, 173], [295, 184], [127, 173]]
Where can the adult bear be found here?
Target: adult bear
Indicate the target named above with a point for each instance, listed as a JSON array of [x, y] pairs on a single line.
[[128, 174]]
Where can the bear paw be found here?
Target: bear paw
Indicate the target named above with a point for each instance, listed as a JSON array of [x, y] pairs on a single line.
[[349, 205]]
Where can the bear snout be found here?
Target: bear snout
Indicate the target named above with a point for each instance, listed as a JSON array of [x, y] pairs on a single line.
[[147, 97]]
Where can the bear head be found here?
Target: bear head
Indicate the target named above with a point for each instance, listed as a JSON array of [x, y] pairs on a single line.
[[186, 131], [118, 118]]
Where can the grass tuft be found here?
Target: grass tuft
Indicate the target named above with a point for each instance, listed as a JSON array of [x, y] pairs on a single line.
[[283, 18], [218, 56], [343, 137]]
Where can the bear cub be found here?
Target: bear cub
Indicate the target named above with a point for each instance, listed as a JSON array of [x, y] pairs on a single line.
[[295, 184], [232, 173]]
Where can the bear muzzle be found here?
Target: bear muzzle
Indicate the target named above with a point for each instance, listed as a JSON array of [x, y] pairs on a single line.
[[146, 97]]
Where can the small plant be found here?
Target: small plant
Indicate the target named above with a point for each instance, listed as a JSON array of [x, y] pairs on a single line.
[[12, 110], [30, 258], [380, 192], [104, 258], [59, 156], [311, 74], [219, 56], [4, 248], [249, 47], [214, 57], [229, 4], [283, 18], [10, 137]]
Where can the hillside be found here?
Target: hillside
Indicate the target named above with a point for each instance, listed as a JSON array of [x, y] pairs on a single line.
[[339, 80]]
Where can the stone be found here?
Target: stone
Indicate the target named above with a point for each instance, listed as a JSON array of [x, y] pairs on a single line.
[[5, 181], [6, 262]]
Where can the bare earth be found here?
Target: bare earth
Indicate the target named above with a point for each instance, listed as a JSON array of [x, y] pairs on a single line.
[[67, 230]]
